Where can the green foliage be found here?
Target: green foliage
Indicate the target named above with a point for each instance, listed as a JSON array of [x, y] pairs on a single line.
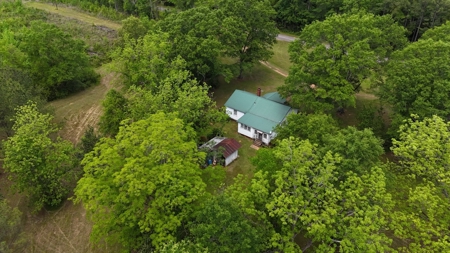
[[16, 89], [114, 111], [221, 226], [423, 150], [145, 183], [182, 247], [178, 94], [57, 63], [88, 141], [246, 36], [214, 178], [11, 238], [39, 165], [306, 194], [296, 14], [331, 59], [371, 116], [146, 61], [360, 149], [417, 80], [194, 35], [441, 32], [313, 127], [134, 28]]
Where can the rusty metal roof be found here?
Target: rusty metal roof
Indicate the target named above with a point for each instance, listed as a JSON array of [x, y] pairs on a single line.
[[230, 146]]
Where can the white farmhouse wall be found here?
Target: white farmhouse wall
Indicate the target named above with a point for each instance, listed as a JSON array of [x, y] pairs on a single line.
[[231, 158], [248, 133], [231, 114]]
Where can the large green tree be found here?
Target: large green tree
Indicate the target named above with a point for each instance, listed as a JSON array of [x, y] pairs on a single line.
[[178, 94], [39, 164], [247, 31], [309, 194], [195, 37], [333, 57], [144, 184], [418, 80], [220, 224], [57, 63], [423, 150]]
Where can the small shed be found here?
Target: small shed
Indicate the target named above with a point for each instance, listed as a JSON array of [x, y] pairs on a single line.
[[223, 150]]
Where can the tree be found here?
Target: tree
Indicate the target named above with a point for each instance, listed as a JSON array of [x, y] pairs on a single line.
[[304, 195], [11, 238], [417, 80], [441, 32], [114, 111], [333, 57], [57, 62], [359, 149], [134, 28], [314, 127], [39, 165], [146, 61], [16, 89], [423, 151], [220, 224], [194, 35], [144, 184], [247, 37], [178, 93]]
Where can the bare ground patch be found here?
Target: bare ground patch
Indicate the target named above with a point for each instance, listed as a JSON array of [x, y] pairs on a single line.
[[83, 109]]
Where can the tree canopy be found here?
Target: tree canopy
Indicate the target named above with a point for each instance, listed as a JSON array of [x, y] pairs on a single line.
[[145, 183], [417, 79], [333, 57], [37, 163]]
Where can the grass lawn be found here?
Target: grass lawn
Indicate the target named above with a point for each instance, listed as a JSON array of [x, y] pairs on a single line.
[[280, 58], [72, 13], [242, 165], [259, 77]]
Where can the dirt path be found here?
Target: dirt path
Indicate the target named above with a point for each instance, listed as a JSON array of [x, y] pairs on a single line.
[[81, 110], [75, 14], [270, 66]]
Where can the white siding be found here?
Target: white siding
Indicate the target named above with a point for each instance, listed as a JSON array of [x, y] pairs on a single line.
[[232, 115], [231, 158], [248, 133]]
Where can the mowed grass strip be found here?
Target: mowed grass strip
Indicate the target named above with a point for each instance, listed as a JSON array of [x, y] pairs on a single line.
[[280, 58], [72, 13]]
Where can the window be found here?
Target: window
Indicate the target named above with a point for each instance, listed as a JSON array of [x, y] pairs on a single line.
[[265, 136], [256, 131], [242, 125], [235, 112]]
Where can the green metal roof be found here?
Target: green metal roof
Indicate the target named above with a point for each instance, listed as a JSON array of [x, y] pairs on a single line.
[[275, 96], [241, 100], [260, 113], [257, 122]]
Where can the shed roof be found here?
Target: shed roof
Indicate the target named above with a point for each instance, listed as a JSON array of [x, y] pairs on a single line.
[[230, 146], [275, 96]]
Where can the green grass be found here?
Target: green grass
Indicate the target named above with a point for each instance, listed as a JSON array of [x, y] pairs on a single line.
[[242, 165], [72, 13], [259, 77], [280, 58]]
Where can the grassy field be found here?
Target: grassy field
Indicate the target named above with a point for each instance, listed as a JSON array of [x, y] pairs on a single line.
[[280, 58], [72, 13]]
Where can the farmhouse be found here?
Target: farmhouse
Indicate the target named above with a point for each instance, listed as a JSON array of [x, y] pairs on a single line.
[[221, 150], [257, 116]]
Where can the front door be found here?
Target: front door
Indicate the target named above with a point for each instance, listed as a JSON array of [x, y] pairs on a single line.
[[260, 136]]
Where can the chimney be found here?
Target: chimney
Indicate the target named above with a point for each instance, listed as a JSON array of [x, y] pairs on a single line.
[[258, 92]]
